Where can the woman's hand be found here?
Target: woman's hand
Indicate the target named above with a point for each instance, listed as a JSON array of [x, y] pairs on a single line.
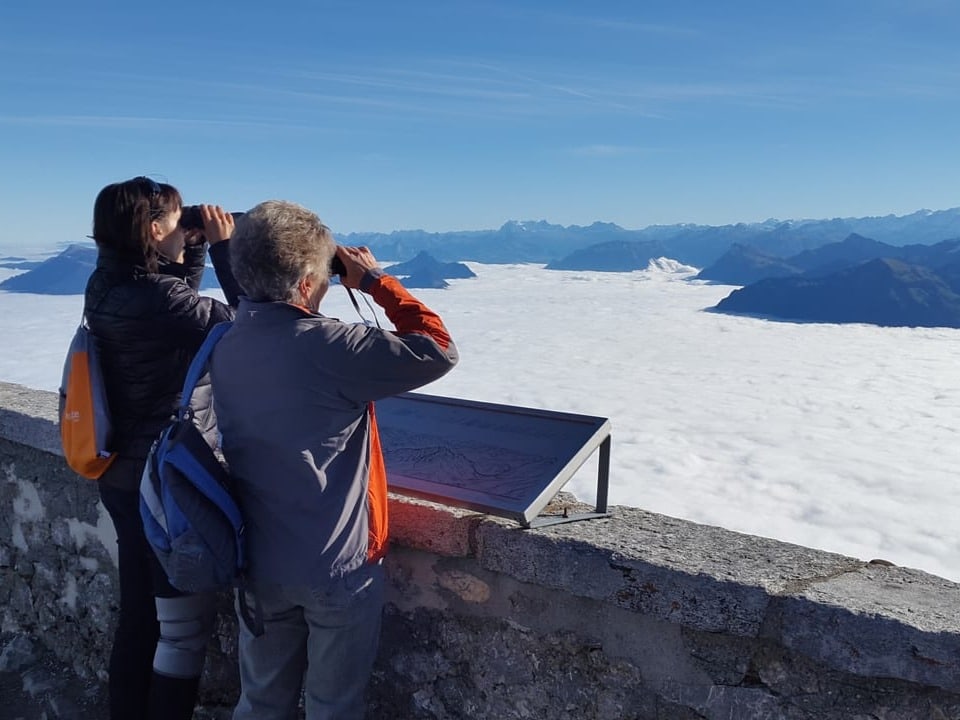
[[217, 223]]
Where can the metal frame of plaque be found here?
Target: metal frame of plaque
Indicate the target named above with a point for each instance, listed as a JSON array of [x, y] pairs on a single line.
[[498, 459]]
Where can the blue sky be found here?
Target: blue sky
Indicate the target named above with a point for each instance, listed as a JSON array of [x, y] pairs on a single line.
[[463, 115]]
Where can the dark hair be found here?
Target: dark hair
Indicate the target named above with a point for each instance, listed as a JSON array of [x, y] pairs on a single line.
[[122, 214]]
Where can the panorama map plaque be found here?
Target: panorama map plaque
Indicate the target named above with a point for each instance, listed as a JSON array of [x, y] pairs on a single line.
[[498, 459]]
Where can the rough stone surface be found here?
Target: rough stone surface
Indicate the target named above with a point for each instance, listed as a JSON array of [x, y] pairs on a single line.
[[34, 685], [634, 616], [877, 621], [29, 417], [434, 528]]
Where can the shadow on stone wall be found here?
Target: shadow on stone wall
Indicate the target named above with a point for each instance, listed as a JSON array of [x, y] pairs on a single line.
[[635, 616]]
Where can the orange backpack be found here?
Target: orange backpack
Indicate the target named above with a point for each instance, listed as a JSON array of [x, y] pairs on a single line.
[[85, 429]]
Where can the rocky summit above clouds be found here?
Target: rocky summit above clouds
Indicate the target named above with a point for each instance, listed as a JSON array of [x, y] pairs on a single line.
[[66, 273], [743, 264], [606, 246], [882, 291], [425, 271], [815, 254], [63, 274], [855, 281], [823, 271], [613, 256]]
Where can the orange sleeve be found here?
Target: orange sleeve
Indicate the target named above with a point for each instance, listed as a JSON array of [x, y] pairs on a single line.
[[408, 315]]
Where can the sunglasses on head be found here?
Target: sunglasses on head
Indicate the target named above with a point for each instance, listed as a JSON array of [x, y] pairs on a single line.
[[152, 186]]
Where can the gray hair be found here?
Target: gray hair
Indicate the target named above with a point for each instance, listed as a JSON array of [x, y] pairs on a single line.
[[274, 245]]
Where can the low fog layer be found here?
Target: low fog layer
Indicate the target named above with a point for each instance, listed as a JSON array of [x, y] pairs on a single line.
[[840, 437]]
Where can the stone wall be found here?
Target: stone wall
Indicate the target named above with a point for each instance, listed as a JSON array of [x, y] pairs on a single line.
[[636, 616]]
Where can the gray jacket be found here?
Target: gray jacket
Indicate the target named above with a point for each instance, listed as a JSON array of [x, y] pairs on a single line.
[[293, 395]]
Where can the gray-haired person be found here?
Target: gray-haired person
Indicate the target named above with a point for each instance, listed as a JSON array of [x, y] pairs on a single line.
[[293, 393]]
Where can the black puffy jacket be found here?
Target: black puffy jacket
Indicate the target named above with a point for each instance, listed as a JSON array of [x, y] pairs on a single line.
[[148, 327]]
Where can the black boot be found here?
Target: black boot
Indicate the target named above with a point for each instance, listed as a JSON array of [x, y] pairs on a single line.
[[172, 698]]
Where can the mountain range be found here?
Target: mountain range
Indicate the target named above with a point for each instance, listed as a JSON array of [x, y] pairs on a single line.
[[66, 273], [743, 264], [891, 270], [424, 271], [62, 274], [856, 280], [606, 246]]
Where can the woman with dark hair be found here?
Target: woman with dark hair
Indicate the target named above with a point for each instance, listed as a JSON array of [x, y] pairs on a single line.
[[142, 305]]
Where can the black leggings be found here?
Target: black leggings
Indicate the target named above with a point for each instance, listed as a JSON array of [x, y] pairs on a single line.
[[141, 580]]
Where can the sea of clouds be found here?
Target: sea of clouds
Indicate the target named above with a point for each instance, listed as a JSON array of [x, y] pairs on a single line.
[[839, 437]]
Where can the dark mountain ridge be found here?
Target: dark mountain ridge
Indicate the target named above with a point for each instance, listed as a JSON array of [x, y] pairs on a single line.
[[742, 265], [882, 291], [856, 280], [67, 272], [745, 264], [819, 279], [425, 271], [691, 244], [697, 245], [63, 274], [612, 256]]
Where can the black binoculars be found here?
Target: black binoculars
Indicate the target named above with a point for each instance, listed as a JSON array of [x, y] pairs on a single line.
[[190, 219]]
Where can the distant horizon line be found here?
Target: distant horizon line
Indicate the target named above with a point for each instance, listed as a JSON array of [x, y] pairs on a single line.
[[543, 221]]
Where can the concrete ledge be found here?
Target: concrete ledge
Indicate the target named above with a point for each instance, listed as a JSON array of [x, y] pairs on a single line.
[[857, 617], [29, 417], [446, 531], [633, 616], [877, 622]]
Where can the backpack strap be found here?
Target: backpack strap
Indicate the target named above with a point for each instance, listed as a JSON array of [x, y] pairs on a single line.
[[253, 618], [198, 367]]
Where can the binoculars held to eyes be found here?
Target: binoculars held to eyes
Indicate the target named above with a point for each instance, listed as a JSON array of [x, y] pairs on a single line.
[[190, 219]]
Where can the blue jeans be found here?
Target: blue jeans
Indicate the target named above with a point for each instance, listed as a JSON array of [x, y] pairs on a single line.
[[322, 641]]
